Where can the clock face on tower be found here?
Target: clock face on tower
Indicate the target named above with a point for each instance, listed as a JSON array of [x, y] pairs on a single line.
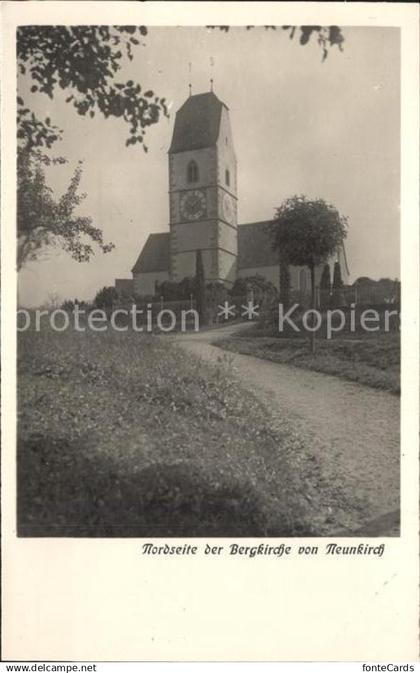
[[227, 207], [193, 205]]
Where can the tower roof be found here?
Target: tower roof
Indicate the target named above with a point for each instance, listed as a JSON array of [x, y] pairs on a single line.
[[197, 123]]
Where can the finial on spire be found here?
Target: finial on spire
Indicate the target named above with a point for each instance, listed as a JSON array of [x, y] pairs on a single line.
[[190, 85], [211, 72], [211, 84]]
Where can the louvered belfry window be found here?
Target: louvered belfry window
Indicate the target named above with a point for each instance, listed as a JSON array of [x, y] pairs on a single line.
[[192, 172]]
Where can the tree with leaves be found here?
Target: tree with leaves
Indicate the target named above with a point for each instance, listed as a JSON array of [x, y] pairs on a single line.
[[308, 231], [105, 298], [44, 222], [83, 61]]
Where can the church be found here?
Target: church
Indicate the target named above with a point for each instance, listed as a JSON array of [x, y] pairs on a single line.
[[203, 207]]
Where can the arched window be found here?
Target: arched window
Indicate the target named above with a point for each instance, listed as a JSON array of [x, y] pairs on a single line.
[[227, 177], [192, 172]]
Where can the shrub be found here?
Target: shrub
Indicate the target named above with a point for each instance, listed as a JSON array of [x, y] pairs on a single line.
[[171, 290], [106, 298], [216, 293], [261, 287]]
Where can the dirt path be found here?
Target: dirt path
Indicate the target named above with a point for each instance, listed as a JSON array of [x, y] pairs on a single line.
[[352, 430]]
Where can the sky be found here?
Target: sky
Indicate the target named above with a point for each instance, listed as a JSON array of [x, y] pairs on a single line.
[[300, 126]]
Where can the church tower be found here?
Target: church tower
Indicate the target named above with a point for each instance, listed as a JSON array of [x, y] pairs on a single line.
[[203, 212], [203, 191]]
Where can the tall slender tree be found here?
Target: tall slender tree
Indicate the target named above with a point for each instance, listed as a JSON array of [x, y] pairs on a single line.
[[338, 297], [284, 279], [338, 280], [325, 286], [200, 288]]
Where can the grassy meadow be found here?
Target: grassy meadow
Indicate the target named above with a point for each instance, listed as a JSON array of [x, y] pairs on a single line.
[[122, 434], [373, 361], [369, 358]]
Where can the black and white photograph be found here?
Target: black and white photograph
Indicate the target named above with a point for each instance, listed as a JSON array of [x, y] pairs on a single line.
[[208, 255], [209, 333]]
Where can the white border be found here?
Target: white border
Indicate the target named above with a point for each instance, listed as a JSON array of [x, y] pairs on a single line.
[[365, 611]]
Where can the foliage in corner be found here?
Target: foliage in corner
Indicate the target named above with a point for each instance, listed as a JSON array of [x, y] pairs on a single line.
[[84, 61], [327, 36]]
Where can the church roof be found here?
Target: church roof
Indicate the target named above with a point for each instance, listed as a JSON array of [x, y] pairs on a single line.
[[254, 249], [197, 123], [254, 245], [154, 255]]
